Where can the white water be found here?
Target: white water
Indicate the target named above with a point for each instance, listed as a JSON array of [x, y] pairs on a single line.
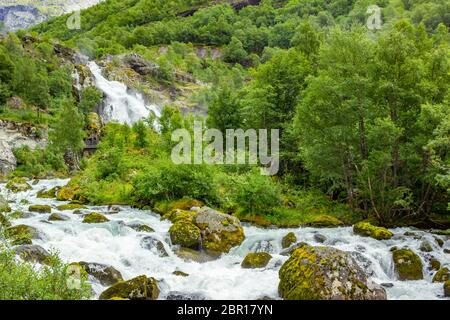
[[115, 244], [121, 105]]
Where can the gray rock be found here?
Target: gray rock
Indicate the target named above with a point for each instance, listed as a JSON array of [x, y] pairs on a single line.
[[106, 275], [176, 295], [320, 238], [32, 253], [153, 244]]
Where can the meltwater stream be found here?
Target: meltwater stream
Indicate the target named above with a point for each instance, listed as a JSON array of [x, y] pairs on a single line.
[[120, 104], [115, 244]]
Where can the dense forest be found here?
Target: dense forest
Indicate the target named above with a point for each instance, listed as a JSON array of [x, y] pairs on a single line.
[[364, 115]]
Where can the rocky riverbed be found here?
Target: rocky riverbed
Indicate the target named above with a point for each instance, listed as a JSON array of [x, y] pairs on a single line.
[[127, 243]]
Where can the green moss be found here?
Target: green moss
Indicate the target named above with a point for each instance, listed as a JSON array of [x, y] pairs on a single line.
[[94, 217], [288, 240], [57, 217], [48, 194], [18, 185], [256, 260], [139, 288], [180, 273], [164, 207], [40, 208], [407, 264], [185, 234], [71, 206], [4, 222], [325, 221], [21, 234], [442, 275], [366, 229], [179, 214], [67, 193], [4, 207], [435, 264]]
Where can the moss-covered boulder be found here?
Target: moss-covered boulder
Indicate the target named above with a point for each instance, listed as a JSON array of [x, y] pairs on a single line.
[[70, 206], [140, 227], [106, 275], [67, 193], [18, 185], [39, 208], [426, 246], [408, 264], [324, 273], [442, 275], [256, 260], [179, 214], [220, 232], [325, 221], [435, 264], [139, 288], [447, 288], [199, 256], [48, 194], [33, 253], [187, 204], [185, 234], [180, 273], [21, 234], [4, 222], [288, 240], [95, 217], [366, 229], [58, 217]]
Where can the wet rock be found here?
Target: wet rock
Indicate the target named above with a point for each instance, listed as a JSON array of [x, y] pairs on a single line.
[[180, 273], [288, 240], [325, 221], [426, 246], [407, 264], [262, 246], [255, 260], [33, 253], [176, 295], [363, 262], [412, 235], [4, 206], [40, 208], [201, 256], [58, 217], [435, 264], [106, 275], [366, 229], [4, 222], [151, 243], [18, 185], [439, 241], [139, 288], [288, 251], [324, 273], [447, 251], [447, 288], [20, 215], [94, 217], [22, 234], [114, 209], [442, 275], [48, 194], [71, 206], [387, 285], [320, 238], [140, 227]]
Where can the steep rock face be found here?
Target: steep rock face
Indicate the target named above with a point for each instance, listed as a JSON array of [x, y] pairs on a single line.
[[19, 14]]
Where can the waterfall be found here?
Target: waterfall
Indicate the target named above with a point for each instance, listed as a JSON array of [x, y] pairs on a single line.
[[120, 104]]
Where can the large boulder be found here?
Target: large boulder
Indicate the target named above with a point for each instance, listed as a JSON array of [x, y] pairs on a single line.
[[205, 228], [139, 288], [95, 217], [33, 253], [220, 232], [324, 273], [18, 185], [407, 264], [442, 275], [40, 208], [366, 229], [106, 275], [22, 234], [256, 260], [288, 240]]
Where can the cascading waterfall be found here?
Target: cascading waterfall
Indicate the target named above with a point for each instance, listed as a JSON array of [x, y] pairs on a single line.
[[121, 105], [115, 243]]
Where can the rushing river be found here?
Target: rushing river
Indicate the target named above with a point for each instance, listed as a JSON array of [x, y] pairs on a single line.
[[115, 244]]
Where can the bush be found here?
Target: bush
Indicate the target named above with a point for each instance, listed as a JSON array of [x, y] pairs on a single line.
[[23, 281]]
